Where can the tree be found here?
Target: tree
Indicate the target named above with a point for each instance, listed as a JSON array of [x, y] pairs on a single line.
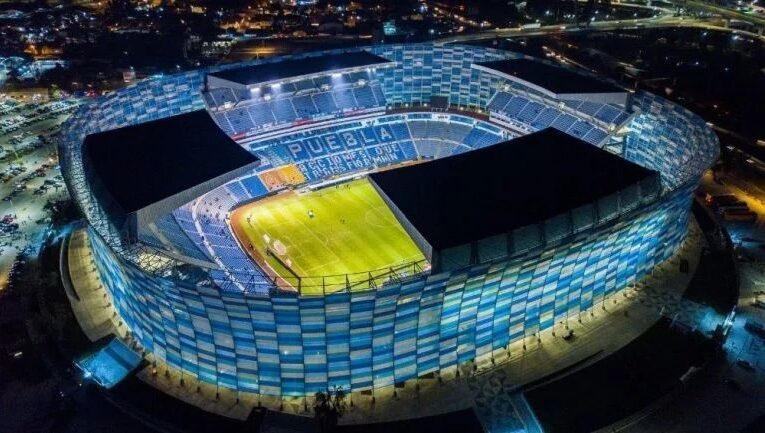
[[328, 408]]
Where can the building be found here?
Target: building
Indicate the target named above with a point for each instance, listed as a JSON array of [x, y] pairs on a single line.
[[193, 298]]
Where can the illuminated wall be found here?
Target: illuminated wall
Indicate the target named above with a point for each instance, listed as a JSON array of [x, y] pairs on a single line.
[[293, 345], [299, 345]]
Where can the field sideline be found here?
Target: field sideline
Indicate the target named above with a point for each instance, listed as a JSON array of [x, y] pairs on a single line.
[[352, 231]]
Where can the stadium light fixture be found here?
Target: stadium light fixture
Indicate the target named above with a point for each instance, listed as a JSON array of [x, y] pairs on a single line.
[[337, 75]]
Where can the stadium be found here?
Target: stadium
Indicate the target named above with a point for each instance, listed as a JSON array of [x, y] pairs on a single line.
[[358, 218]]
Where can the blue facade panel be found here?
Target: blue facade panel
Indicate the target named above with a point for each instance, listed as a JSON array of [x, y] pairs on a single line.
[[283, 344]]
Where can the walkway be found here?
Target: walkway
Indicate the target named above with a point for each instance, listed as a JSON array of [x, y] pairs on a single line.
[[91, 303]]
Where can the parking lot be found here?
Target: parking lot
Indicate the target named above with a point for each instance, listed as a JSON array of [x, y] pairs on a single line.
[[29, 173]]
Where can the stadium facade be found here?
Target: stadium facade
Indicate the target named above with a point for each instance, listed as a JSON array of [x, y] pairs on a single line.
[[193, 299]]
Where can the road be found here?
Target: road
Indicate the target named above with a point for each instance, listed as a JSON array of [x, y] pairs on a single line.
[[664, 18], [725, 12]]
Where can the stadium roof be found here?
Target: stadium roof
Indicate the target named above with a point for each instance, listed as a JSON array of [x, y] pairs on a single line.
[[275, 71], [555, 79], [144, 164], [468, 197]]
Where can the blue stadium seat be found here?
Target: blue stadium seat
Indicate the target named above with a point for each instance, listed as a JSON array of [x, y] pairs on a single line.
[[475, 138], [365, 97], [277, 153], [344, 98], [283, 111], [261, 114], [185, 220], [455, 132], [595, 136], [176, 237], [579, 129], [530, 112], [410, 152], [236, 189], [621, 118], [418, 129], [254, 186], [401, 131], [563, 122], [589, 107], [240, 119], [487, 139], [545, 118], [428, 148], [325, 103], [499, 101], [209, 100], [304, 106], [221, 96], [379, 95], [607, 114], [224, 124], [515, 105]]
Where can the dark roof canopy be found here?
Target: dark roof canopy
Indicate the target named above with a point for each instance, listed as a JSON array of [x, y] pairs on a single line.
[[143, 164], [555, 79], [268, 72], [468, 197]]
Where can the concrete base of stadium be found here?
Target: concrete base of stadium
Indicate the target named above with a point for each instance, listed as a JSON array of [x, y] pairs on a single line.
[[91, 303], [490, 385]]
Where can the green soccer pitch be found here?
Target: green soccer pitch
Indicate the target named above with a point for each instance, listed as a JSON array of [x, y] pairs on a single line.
[[327, 240]]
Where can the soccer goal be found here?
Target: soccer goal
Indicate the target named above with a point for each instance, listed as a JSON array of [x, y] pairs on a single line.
[[278, 251]]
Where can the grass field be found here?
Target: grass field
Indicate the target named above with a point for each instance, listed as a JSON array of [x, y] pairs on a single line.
[[352, 231]]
